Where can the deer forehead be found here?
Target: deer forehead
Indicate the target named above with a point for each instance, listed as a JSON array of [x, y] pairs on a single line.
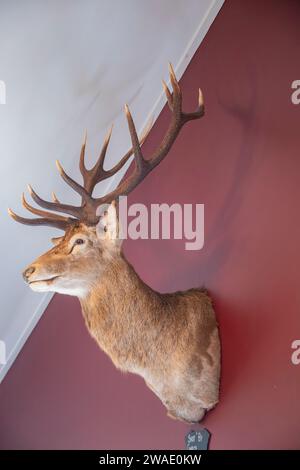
[[77, 231], [63, 243]]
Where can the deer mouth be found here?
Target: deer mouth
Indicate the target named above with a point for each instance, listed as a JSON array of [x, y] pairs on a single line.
[[49, 280]]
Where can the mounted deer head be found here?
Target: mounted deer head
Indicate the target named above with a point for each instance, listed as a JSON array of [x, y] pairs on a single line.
[[169, 339]]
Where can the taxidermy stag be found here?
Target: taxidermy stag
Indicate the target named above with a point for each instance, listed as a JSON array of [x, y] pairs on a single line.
[[171, 340]]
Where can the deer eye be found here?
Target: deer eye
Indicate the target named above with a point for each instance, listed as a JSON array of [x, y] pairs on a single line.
[[79, 241]]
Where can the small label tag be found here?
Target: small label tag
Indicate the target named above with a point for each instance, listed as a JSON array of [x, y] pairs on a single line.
[[197, 440]]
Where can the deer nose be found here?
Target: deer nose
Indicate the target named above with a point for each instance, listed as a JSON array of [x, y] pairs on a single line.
[[27, 273]]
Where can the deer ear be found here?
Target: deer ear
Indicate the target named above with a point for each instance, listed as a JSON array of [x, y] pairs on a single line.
[[56, 240], [108, 225]]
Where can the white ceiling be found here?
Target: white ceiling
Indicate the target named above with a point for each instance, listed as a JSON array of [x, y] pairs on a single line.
[[68, 66]]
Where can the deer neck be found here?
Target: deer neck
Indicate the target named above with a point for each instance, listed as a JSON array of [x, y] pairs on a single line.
[[120, 312]]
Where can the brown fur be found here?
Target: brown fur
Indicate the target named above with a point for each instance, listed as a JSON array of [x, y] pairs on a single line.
[[171, 340]]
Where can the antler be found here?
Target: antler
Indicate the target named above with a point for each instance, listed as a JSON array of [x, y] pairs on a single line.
[[87, 211], [96, 174]]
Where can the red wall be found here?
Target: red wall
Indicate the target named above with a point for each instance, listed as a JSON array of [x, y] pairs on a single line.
[[243, 162]]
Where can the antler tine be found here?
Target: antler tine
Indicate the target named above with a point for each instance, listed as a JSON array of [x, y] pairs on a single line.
[[128, 154], [55, 206], [44, 214], [199, 111], [168, 95], [54, 198], [82, 154], [176, 96], [97, 173], [63, 225], [98, 167], [136, 147], [92, 177], [76, 186]]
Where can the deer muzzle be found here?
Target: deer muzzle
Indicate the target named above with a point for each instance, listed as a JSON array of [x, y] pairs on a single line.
[[32, 275], [27, 273]]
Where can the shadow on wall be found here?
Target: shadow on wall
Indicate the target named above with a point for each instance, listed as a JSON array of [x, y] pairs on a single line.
[[244, 112], [232, 322]]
